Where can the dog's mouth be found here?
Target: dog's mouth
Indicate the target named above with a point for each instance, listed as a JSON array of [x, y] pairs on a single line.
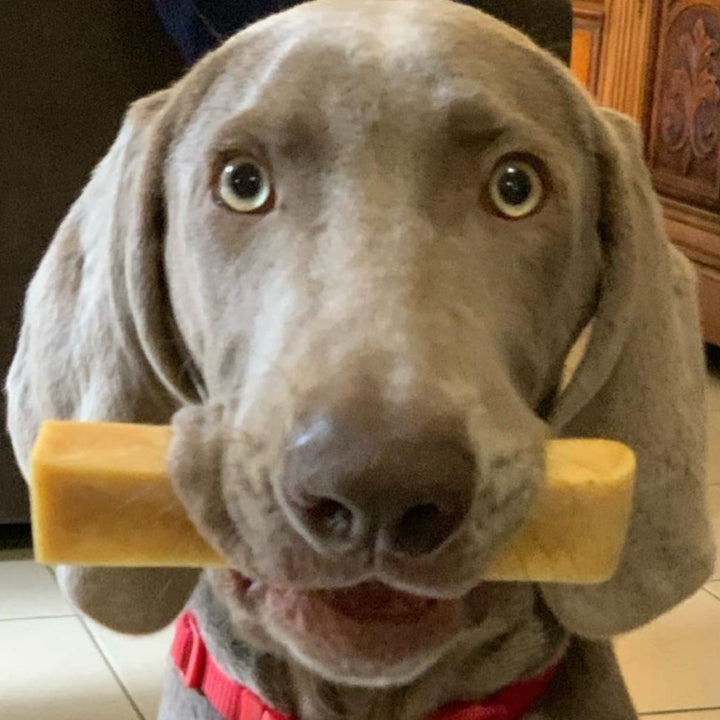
[[374, 602], [360, 633], [371, 602]]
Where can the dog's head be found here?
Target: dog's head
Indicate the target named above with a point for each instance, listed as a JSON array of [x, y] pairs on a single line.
[[357, 244]]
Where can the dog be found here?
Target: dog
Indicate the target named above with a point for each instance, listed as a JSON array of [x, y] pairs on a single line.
[[347, 256]]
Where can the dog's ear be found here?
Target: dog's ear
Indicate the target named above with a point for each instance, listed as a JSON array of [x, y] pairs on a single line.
[[641, 381], [98, 341]]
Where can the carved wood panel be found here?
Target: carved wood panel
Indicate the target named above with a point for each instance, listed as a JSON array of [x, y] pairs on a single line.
[[684, 137]]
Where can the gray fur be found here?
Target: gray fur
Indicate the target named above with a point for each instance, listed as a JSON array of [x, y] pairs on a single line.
[[379, 270]]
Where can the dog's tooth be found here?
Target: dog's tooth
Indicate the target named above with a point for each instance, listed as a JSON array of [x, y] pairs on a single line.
[[255, 590]]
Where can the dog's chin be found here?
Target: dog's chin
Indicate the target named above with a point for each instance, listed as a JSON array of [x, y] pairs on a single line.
[[368, 634]]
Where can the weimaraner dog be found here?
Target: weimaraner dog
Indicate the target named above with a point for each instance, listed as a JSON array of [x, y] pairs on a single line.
[[347, 256]]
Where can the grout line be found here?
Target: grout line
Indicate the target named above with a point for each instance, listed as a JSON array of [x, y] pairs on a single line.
[[677, 711], [109, 664], [38, 617], [710, 592]]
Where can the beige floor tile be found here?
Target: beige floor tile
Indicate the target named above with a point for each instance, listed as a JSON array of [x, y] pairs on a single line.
[[138, 661], [674, 662], [51, 670], [27, 590], [713, 714], [714, 588], [713, 447]]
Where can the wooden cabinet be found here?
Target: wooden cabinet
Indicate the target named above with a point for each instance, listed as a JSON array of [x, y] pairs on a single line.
[[618, 33], [588, 25], [659, 60], [682, 121]]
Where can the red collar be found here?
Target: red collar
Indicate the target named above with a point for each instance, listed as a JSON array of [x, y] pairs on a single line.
[[234, 701]]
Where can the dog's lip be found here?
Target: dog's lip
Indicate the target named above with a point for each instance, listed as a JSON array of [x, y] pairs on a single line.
[[352, 631], [369, 601], [242, 582]]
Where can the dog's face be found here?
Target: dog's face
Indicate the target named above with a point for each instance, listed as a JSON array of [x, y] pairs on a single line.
[[381, 244], [348, 254]]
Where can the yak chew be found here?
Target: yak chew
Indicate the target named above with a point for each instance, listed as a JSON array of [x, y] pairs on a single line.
[[576, 528], [101, 496]]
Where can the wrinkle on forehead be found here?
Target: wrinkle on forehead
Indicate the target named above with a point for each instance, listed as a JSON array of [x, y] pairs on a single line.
[[313, 89]]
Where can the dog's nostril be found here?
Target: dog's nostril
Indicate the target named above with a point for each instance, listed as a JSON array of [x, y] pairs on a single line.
[[417, 518], [423, 528], [373, 479], [329, 518]]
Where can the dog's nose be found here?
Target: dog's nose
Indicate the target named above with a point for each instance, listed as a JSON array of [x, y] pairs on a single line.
[[350, 486]]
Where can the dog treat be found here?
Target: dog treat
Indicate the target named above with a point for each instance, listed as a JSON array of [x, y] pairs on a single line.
[[101, 496], [576, 528]]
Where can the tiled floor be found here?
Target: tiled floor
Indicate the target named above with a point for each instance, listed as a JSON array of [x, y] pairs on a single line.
[[56, 666]]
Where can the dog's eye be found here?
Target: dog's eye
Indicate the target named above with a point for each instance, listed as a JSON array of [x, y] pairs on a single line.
[[516, 188], [245, 187]]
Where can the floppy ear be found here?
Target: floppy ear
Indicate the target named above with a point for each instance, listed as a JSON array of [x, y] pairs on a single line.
[[98, 340], [641, 381]]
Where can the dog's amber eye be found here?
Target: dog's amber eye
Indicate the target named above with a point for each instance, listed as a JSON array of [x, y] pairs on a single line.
[[516, 188], [245, 187]]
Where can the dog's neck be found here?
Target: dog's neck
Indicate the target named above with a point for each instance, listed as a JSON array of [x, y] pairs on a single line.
[[483, 662]]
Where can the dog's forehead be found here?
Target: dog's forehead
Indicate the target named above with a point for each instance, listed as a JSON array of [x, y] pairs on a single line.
[[325, 54], [392, 24]]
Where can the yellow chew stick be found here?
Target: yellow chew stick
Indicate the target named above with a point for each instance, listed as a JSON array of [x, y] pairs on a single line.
[[101, 495], [576, 528]]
